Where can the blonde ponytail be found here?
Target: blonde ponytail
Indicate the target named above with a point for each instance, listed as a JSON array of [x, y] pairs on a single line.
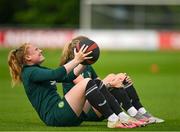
[[16, 60]]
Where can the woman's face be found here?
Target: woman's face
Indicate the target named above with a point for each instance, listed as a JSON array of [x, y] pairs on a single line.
[[34, 55]]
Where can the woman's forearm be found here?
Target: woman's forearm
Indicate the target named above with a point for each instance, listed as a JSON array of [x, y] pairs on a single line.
[[79, 69], [71, 65]]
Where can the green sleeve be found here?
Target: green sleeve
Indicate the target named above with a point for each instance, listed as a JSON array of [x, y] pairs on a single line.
[[70, 77], [93, 73], [39, 74]]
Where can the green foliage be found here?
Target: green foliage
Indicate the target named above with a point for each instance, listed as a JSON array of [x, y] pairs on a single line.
[[8, 8], [43, 13], [52, 12], [158, 89]]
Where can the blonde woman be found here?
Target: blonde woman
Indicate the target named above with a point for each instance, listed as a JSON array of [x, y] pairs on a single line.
[[125, 94], [40, 86]]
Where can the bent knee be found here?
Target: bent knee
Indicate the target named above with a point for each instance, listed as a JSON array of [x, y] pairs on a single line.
[[85, 81], [109, 78], [121, 75], [111, 75]]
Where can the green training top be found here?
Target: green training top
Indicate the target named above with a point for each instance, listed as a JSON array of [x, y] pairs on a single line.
[[40, 86], [87, 73]]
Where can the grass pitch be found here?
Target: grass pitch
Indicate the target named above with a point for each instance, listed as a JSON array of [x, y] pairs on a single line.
[[156, 77]]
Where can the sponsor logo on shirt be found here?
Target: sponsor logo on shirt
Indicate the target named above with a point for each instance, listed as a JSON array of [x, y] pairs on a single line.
[[53, 82]]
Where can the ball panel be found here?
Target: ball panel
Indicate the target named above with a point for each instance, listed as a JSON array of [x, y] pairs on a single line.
[[87, 42], [92, 47], [89, 62]]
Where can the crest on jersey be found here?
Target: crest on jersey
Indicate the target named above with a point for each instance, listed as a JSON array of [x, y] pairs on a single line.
[[61, 104]]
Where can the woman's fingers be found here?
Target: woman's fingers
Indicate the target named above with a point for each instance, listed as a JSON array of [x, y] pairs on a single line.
[[84, 49], [116, 83], [121, 76], [87, 58], [81, 54], [86, 54], [128, 79], [75, 51], [81, 49]]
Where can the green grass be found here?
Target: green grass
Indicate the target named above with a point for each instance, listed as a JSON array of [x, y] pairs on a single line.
[[159, 90]]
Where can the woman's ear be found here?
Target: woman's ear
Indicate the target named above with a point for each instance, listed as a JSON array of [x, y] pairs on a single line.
[[27, 58]]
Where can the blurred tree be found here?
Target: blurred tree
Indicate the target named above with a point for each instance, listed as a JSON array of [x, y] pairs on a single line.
[[43, 13], [66, 13], [8, 8]]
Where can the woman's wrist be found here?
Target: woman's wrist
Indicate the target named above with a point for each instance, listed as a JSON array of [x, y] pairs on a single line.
[[71, 65], [76, 62]]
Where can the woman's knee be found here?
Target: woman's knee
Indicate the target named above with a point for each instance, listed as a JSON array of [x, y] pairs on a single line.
[[111, 75], [84, 82], [109, 78], [121, 76]]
